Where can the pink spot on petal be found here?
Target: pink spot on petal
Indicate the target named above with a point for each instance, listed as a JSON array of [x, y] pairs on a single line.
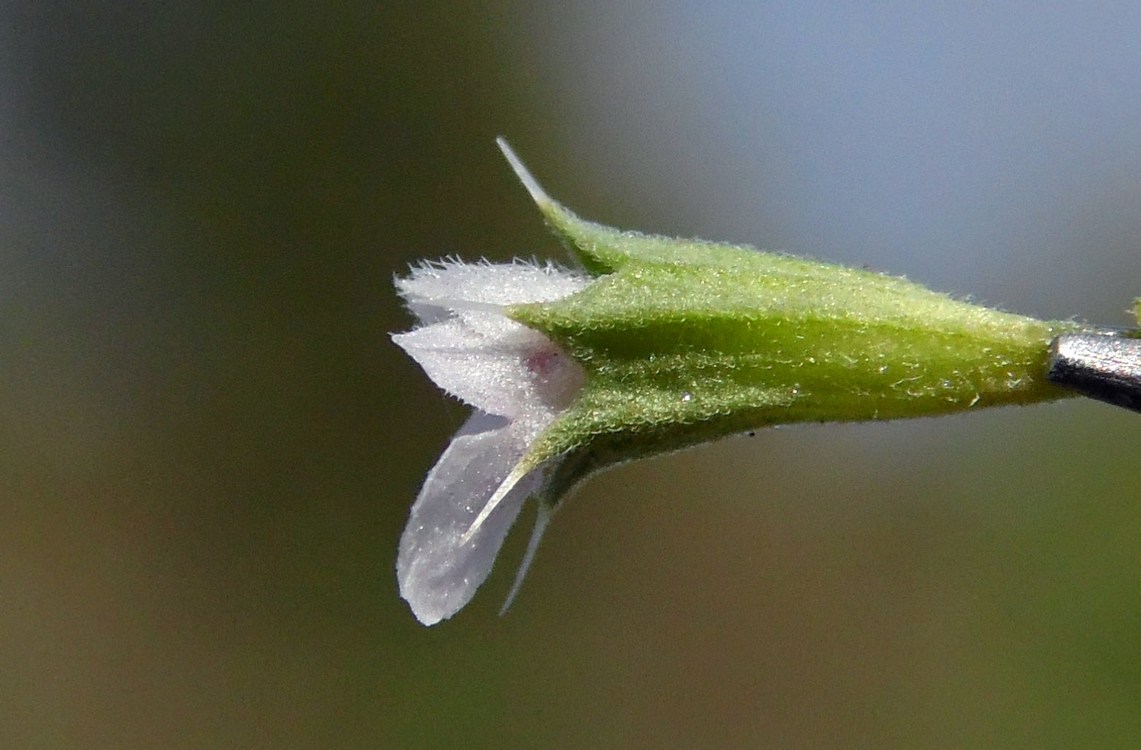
[[545, 362]]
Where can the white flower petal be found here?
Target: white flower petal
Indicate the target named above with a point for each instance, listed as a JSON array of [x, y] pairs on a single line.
[[516, 373], [437, 570], [454, 285]]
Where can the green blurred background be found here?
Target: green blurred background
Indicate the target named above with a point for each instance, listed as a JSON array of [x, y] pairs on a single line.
[[209, 445]]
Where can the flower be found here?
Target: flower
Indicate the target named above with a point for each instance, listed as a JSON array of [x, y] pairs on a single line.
[[656, 345], [517, 380]]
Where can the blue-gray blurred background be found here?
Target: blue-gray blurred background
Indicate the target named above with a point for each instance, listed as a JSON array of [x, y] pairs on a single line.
[[208, 446]]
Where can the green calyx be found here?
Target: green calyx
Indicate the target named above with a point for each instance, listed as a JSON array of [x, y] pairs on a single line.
[[686, 341]]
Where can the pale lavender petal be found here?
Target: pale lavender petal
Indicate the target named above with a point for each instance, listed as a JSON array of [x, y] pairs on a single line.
[[438, 572]]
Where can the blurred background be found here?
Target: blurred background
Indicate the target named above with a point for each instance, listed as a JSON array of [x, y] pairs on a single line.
[[208, 445]]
